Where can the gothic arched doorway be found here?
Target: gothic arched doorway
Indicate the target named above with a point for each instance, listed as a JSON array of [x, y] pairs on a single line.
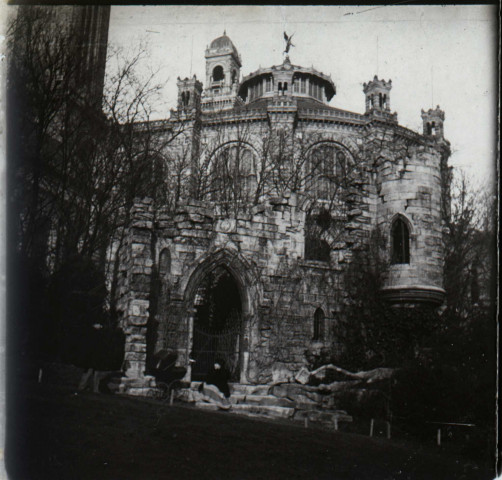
[[217, 324]]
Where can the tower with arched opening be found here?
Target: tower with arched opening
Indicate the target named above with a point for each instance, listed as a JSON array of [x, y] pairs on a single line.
[[223, 66]]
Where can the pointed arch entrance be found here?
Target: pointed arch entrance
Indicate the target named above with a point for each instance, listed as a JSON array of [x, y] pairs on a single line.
[[220, 297], [217, 324]]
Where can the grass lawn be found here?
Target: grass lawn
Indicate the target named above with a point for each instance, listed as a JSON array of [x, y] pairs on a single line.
[[54, 434]]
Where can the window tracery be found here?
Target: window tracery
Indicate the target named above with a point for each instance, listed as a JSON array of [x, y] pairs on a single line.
[[233, 174], [328, 168]]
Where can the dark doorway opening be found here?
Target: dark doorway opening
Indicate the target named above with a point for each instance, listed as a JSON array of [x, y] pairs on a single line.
[[217, 324]]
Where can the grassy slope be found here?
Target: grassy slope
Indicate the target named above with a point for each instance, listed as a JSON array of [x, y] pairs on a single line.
[[53, 434]]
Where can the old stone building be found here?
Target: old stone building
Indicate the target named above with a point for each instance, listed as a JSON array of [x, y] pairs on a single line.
[[271, 191]]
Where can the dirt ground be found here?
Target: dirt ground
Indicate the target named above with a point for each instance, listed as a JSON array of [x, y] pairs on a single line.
[[54, 434]]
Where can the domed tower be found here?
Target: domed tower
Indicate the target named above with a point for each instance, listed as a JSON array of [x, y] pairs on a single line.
[[223, 66], [433, 123]]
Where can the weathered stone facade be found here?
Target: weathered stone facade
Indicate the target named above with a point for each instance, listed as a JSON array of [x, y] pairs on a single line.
[[291, 158]]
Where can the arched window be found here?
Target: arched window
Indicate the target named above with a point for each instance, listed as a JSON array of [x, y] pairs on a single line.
[[400, 242], [233, 174], [218, 74], [318, 324], [234, 76], [328, 170], [185, 98], [165, 262]]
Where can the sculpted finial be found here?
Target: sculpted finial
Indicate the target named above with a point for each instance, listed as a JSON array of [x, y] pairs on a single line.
[[289, 44]]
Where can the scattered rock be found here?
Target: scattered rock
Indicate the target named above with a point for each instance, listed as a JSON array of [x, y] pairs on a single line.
[[302, 376]]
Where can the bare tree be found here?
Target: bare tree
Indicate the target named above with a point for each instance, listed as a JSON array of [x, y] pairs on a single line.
[[469, 246], [43, 64], [77, 161]]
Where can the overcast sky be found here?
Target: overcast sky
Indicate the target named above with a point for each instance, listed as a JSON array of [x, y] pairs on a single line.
[[434, 55]]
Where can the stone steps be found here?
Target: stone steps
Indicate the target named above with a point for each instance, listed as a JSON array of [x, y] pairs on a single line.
[[322, 417], [240, 389], [253, 410], [298, 403], [264, 400]]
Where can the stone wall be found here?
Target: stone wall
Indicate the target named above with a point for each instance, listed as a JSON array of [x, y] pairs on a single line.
[[134, 283], [262, 249], [168, 254]]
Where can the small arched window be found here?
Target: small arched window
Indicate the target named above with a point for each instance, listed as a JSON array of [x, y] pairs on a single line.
[[234, 76], [400, 242], [165, 262], [218, 74], [318, 324]]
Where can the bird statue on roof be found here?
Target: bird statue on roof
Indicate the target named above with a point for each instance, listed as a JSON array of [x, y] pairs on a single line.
[[289, 44]]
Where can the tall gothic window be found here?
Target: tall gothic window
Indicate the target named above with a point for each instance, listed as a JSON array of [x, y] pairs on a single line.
[[328, 165], [400, 242], [233, 175]]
